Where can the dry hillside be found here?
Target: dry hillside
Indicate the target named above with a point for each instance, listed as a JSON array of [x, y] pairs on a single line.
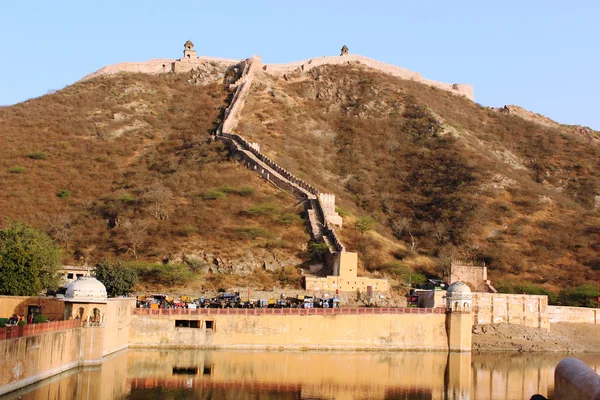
[[125, 167], [442, 176]]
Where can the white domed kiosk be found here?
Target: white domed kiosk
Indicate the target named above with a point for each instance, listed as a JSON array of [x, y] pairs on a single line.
[[459, 297], [86, 289]]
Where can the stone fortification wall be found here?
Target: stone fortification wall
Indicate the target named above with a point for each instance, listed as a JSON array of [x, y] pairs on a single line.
[[29, 359], [578, 315], [517, 309], [403, 73], [474, 275], [281, 178], [156, 66], [424, 329]]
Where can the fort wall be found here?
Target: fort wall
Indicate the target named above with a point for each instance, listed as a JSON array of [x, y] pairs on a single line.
[[157, 66], [578, 315], [474, 275], [517, 309], [420, 329], [461, 89]]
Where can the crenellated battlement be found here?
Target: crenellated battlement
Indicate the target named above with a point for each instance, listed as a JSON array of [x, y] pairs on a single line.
[[462, 89], [190, 61]]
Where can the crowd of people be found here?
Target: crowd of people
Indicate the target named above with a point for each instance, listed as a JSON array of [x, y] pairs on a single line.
[[233, 300]]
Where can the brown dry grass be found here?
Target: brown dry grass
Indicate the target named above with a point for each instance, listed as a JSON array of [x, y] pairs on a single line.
[[164, 141], [376, 142]]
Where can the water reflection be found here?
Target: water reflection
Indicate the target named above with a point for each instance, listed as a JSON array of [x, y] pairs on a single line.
[[194, 374]]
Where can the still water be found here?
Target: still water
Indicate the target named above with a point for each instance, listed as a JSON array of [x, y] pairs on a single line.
[[233, 375]]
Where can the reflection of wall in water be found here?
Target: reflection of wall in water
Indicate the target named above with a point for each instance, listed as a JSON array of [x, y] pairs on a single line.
[[106, 382], [349, 375], [517, 376]]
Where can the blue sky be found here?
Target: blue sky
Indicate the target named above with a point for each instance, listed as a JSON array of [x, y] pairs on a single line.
[[542, 55]]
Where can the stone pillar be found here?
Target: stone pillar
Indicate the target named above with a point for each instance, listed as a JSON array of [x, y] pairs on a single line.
[[459, 325]]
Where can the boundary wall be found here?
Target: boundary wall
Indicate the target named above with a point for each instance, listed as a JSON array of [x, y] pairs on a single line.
[[29, 359], [516, 309], [292, 329], [578, 315], [461, 89]]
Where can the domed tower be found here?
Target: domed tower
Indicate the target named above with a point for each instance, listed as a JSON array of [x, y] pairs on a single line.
[[459, 321], [459, 297], [86, 298], [188, 51]]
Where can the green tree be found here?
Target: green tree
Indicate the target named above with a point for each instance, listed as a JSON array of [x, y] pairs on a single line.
[[364, 224], [119, 279], [29, 261]]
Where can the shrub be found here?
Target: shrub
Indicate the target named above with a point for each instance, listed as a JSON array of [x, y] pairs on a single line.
[[364, 224], [263, 209], [38, 155], [63, 194], [253, 232], [342, 211], [316, 250], [244, 191], [16, 169], [288, 219], [21, 323], [39, 319], [3, 322], [127, 198], [288, 276], [212, 195], [275, 244]]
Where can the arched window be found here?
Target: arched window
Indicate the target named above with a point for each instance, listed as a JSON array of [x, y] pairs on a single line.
[[80, 313], [96, 315], [456, 305], [466, 307]]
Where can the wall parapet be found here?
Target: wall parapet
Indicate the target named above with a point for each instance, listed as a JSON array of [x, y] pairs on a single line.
[[574, 315], [290, 311], [461, 89], [14, 332]]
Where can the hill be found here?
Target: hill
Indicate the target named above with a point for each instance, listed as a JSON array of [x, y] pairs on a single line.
[[444, 177], [125, 166]]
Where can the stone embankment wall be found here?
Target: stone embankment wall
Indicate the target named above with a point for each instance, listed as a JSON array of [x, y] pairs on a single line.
[[31, 358], [403, 73], [517, 309], [579, 315], [344, 329]]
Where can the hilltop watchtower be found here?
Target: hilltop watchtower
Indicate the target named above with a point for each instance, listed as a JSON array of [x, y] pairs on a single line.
[[188, 51], [344, 51]]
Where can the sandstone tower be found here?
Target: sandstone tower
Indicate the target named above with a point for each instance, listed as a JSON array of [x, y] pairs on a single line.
[[344, 51], [188, 51], [459, 320]]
